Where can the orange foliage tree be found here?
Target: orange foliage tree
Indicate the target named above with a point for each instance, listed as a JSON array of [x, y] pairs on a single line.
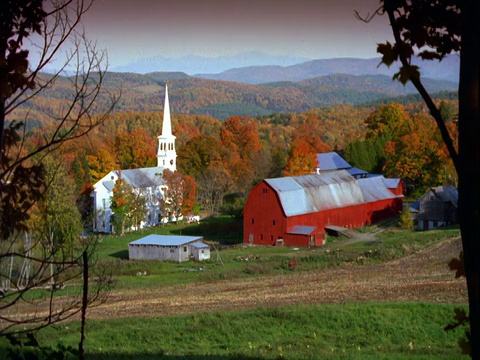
[[241, 143], [417, 153], [306, 144], [179, 194]]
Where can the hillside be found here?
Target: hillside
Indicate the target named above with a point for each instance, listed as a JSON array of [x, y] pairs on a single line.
[[221, 99]]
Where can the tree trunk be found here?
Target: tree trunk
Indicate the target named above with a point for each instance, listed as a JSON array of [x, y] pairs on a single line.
[[81, 348], [468, 149]]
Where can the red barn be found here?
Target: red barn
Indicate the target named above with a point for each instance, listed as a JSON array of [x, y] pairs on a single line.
[[296, 209]]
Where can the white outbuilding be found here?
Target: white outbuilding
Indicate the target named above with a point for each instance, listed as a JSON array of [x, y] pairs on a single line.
[[168, 248]]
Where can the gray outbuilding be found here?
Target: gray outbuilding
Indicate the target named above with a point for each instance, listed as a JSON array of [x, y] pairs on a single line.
[[168, 248]]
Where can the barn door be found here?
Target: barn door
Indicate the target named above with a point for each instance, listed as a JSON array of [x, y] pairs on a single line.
[[250, 238], [311, 241]]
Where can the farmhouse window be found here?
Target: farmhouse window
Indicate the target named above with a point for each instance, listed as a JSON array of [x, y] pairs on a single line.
[[261, 236], [172, 251], [253, 221], [265, 190], [273, 222], [184, 249]]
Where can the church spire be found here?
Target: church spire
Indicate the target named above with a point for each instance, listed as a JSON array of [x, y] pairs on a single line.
[[166, 155], [167, 123]]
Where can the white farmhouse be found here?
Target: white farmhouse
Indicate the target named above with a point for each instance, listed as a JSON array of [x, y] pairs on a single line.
[[145, 181]]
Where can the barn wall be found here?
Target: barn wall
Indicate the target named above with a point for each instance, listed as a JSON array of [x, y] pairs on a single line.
[[303, 240], [398, 190], [200, 254], [265, 222], [155, 252], [263, 218]]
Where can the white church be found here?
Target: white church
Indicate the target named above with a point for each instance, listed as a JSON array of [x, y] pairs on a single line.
[[145, 181]]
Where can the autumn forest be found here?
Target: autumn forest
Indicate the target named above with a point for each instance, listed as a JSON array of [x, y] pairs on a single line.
[[227, 157]]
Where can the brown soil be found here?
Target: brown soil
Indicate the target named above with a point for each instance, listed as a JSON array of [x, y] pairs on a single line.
[[421, 277]]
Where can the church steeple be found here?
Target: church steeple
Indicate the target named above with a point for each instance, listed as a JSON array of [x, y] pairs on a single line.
[[166, 155]]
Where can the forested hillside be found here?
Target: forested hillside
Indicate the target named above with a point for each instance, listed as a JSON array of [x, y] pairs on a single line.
[[222, 99], [227, 155]]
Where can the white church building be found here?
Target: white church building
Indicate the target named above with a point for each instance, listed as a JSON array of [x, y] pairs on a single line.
[[145, 181]]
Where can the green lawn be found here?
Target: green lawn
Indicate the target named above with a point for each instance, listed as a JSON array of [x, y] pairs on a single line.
[[347, 331]]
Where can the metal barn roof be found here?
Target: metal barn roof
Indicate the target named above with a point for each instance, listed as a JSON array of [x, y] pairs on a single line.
[[374, 189], [301, 230], [356, 171], [200, 246], [331, 161], [447, 193], [165, 240], [317, 192], [391, 183]]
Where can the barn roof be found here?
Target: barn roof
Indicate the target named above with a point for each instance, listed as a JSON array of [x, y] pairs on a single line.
[[316, 192], [301, 230], [165, 240], [356, 171], [391, 183], [329, 190], [331, 161], [374, 189], [142, 178], [447, 193], [200, 246]]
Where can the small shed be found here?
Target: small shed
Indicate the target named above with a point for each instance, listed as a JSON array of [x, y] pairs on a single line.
[[168, 248], [303, 235]]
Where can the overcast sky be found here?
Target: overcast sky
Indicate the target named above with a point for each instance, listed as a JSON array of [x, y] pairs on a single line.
[[133, 29]]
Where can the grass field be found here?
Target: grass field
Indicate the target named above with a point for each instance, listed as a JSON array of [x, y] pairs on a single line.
[[341, 301], [347, 331], [243, 261]]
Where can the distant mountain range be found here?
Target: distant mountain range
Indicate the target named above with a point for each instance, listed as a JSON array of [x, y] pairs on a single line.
[[448, 70], [202, 64], [260, 68]]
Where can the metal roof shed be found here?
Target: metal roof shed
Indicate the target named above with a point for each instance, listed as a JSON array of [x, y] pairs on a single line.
[[166, 247]]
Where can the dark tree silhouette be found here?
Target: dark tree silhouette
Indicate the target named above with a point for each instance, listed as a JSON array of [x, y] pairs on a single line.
[[29, 262], [431, 29]]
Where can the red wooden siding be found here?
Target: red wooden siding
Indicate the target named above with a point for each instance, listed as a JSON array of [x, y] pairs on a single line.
[[265, 222]]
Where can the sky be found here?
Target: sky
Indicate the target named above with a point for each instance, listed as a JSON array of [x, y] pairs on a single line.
[[134, 29]]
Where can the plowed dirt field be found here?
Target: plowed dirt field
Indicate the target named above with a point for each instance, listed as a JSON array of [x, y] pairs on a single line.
[[421, 277]]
